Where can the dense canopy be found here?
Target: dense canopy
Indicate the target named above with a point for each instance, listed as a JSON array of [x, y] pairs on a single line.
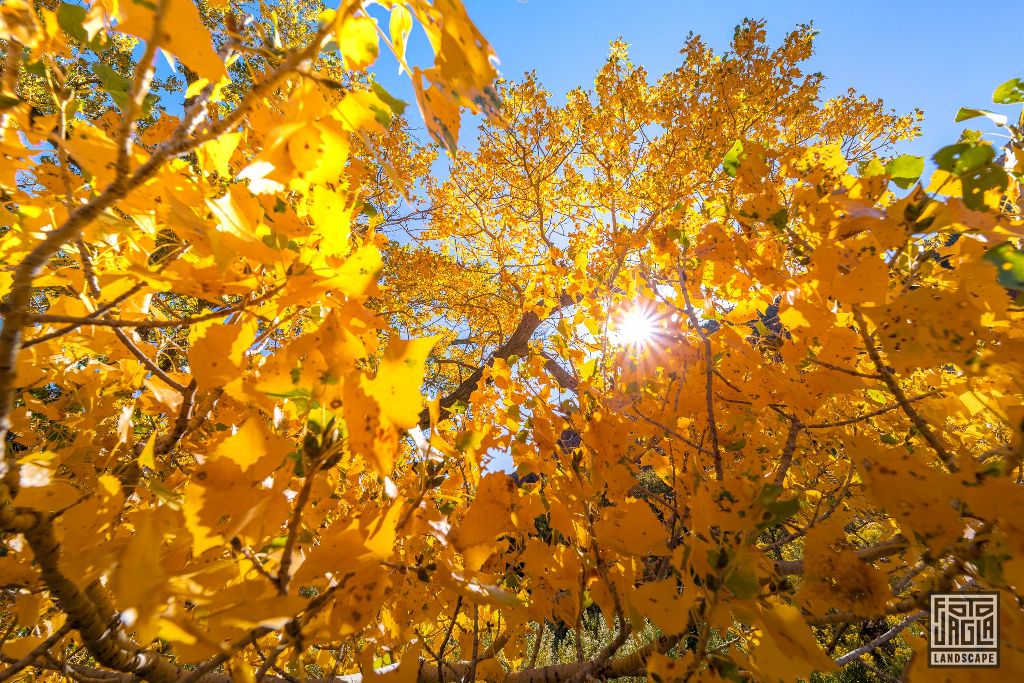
[[691, 376]]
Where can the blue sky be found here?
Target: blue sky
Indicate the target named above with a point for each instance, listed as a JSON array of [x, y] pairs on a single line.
[[937, 56]]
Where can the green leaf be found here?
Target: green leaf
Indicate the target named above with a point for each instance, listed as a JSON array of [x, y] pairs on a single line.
[[36, 69], [871, 168], [775, 510], [1009, 263], [1010, 92], [905, 170], [980, 180], [731, 162], [973, 163], [736, 445], [119, 86], [742, 581], [779, 219], [6, 101], [278, 542], [966, 113], [876, 396], [116, 85], [963, 157], [397, 106], [468, 441], [71, 19], [779, 511]]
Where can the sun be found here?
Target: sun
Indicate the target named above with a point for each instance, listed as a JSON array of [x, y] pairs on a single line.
[[634, 328]]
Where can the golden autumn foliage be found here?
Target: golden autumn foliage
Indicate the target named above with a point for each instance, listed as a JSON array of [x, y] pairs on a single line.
[[759, 379]]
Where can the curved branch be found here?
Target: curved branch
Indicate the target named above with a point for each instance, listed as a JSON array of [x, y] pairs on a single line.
[[517, 344], [787, 451], [880, 640]]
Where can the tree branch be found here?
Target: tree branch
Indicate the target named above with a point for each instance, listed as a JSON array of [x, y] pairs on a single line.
[[787, 451], [36, 652], [709, 371], [874, 413], [561, 375], [880, 640], [875, 552], [894, 387], [517, 344]]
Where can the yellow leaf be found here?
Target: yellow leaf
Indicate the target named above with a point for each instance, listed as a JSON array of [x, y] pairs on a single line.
[[399, 26], [409, 668], [371, 436], [490, 670], [250, 444], [396, 387], [305, 147], [362, 111], [223, 501], [358, 41], [465, 60], [664, 669], [836, 578], [147, 457], [788, 650], [216, 154], [330, 165], [972, 402], [39, 491], [236, 214], [93, 150], [918, 496], [867, 282], [631, 527], [331, 214], [358, 273], [183, 34], [791, 318], [489, 515], [440, 109], [241, 671], [216, 358], [27, 608], [661, 603], [139, 584], [16, 648]]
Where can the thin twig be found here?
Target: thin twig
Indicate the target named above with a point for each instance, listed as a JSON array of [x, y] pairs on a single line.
[[36, 652], [894, 387], [874, 413], [536, 644], [117, 323], [837, 368], [147, 361], [880, 640], [447, 637], [671, 432], [294, 524], [709, 371]]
